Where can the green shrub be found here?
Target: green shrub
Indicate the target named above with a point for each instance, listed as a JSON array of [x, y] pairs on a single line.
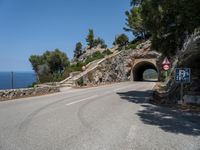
[[107, 52], [94, 56], [131, 46], [55, 77], [97, 55], [80, 82]]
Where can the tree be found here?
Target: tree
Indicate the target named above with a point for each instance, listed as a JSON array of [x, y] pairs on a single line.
[[172, 21], [43, 69], [78, 50], [52, 62], [57, 61], [101, 42], [90, 38], [168, 21], [36, 60], [121, 40], [134, 22]]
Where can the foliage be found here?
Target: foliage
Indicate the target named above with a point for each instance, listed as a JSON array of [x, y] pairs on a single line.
[[134, 22], [107, 52], [80, 82], [90, 38], [131, 46], [121, 40], [168, 21], [56, 60], [78, 66], [94, 56], [35, 60], [92, 42], [75, 67], [43, 69], [78, 50], [50, 65], [101, 42]]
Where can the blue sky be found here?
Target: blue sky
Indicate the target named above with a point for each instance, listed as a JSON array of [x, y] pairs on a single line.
[[32, 26]]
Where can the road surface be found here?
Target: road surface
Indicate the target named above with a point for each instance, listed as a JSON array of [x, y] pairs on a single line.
[[111, 117]]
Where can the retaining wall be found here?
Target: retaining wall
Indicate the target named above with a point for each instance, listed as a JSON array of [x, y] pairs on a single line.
[[26, 92]]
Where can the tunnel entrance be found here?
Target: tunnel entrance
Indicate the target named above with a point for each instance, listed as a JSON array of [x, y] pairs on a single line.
[[145, 71]]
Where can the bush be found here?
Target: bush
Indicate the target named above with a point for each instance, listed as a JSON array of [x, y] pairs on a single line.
[[73, 68], [131, 46], [55, 77], [121, 40], [95, 56], [80, 82], [107, 52]]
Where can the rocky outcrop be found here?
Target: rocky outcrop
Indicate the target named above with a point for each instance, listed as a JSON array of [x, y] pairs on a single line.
[[117, 68], [26, 92], [113, 69], [187, 57]]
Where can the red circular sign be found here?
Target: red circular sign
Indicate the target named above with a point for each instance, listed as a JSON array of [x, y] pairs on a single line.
[[166, 67]]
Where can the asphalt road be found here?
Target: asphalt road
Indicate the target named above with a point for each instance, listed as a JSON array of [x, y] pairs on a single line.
[[112, 117]]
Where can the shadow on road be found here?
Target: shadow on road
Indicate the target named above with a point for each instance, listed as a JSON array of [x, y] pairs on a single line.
[[167, 119], [136, 96]]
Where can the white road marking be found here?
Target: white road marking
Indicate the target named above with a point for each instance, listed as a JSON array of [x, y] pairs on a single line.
[[131, 134], [81, 100], [122, 88]]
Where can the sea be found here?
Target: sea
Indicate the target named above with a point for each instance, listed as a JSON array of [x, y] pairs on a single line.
[[20, 80]]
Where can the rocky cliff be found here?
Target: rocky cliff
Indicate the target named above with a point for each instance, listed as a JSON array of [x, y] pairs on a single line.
[[117, 68]]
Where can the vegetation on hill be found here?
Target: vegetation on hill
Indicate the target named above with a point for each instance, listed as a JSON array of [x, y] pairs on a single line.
[[121, 40], [92, 42], [53, 66], [168, 22], [50, 65], [90, 38], [78, 50]]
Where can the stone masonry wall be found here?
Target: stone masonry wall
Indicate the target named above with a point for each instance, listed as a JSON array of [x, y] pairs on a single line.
[[118, 68], [26, 92]]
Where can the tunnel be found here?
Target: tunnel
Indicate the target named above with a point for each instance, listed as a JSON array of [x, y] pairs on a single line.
[[139, 69]]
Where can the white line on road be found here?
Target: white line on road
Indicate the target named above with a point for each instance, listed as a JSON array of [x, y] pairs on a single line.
[[81, 100], [131, 134], [122, 88]]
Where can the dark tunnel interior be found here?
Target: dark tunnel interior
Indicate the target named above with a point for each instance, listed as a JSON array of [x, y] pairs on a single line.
[[139, 69]]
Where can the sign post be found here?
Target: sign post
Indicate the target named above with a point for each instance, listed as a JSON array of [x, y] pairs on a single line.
[[182, 75], [166, 66]]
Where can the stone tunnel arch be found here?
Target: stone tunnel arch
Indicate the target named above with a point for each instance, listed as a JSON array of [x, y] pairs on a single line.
[[140, 66]]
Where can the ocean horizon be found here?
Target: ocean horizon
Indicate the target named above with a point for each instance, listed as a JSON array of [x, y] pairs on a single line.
[[21, 79]]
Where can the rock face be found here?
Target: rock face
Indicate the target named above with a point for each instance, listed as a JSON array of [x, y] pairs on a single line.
[[187, 57], [118, 67], [111, 70], [26, 92]]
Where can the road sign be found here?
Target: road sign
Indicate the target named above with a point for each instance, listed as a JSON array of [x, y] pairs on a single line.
[[166, 61], [182, 75], [166, 67]]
